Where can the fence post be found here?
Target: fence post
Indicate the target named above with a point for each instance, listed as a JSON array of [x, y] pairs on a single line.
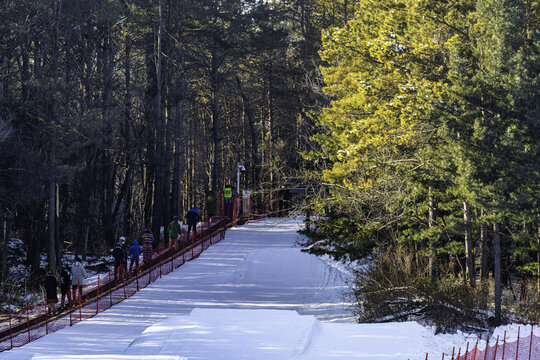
[[426, 356], [160, 264], [504, 344], [10, 328], [70, 311], [110, 289], [124, 286], [458, 354], [192, 245], [475, 349], [486, 349], [45, 305], [517, 347], [496, 348], [137, 279], [530, 345], [28, 320], [97, 298], [467, 351], [234, 211], [184, 248], [79, 290]]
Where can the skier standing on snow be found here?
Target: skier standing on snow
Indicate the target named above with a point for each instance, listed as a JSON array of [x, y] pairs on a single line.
[[119, 255], [51, 292], [134, 252], [77, 280], [192, 217], [65, 286], [174, 230]]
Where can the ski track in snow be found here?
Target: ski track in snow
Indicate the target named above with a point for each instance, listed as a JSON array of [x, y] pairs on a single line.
[[254, 296]]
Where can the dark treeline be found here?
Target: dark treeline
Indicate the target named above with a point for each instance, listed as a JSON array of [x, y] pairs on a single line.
[[117, 115]]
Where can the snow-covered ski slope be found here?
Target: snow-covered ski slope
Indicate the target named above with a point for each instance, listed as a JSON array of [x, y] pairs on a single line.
[[254, 296]]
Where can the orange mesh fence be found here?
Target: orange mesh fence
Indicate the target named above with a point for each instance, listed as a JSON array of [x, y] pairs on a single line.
[[32, 323], [524, 348]]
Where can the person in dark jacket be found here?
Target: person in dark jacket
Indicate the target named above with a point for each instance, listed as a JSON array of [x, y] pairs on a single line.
[[134, 253], [51, 292], [192, 217], [119, 254], [65, 287]]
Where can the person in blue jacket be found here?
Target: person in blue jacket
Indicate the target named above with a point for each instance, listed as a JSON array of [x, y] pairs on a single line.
[[192, 217], [134, 252]]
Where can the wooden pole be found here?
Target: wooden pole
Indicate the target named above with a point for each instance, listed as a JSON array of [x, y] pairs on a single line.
[[496, 348], [10, 327], [110, 289], [46, 315], [97, 299], [517, 347], [530, 344], [487, 346], [80, 301], [28, 320], [504, 344]]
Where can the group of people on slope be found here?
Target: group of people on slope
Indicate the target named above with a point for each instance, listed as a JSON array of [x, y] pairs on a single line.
[[71, 285], [72, 282], [121, 253], [175, 228]]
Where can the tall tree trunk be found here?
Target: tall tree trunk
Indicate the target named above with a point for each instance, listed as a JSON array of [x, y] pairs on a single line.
[[538, 257], [431, 223], [468, 244], [178, 164], [254, 153], [484, 262], [4, 222], [108, 171], [497, 272], [216, 161], [51, 256], [160, 132], [484, 255]]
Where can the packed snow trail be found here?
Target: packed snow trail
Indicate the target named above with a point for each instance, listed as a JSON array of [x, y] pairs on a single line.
[[254, 295]]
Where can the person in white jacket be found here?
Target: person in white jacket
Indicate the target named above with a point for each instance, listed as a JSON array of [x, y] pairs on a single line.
[[77, 279]]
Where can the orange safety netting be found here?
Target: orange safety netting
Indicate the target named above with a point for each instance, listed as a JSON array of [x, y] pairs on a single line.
[[32, 323], [524, 348]]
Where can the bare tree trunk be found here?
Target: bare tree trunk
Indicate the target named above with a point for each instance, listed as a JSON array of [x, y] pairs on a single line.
[[254, 153], [85, 243], [484, 255], [59, 242], [178, 163], [4, 223], [538, 257], [468, 244], [484, 263], [160, 132], [216, 171], [3, 77], [431, 222], [497, 272], [51, 256]]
